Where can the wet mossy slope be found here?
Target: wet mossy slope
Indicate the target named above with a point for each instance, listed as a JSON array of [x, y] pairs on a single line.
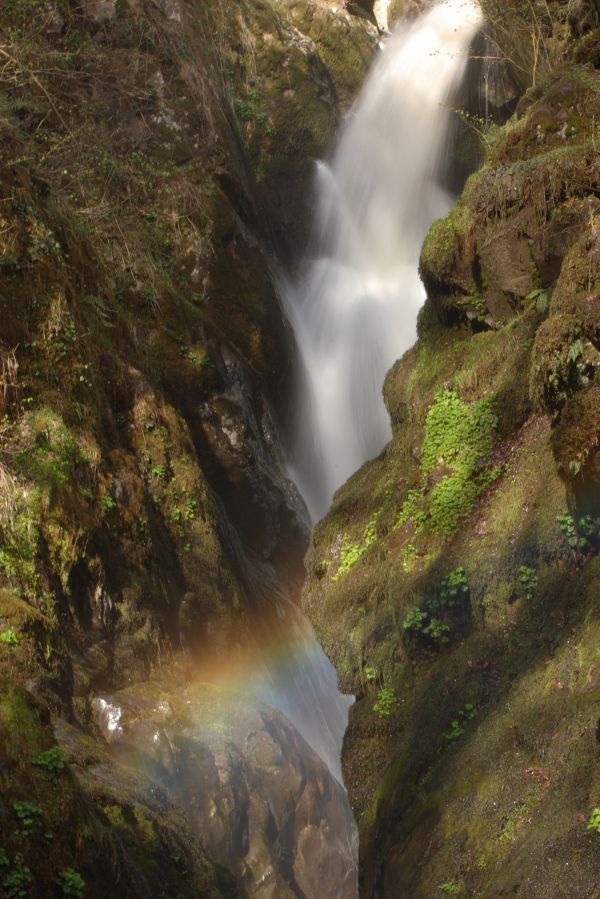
[[144, 147], [456, 580]]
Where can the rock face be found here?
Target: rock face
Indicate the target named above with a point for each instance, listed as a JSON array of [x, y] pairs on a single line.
[[141, 326], [268, 809], [468, 626], [144, 357]]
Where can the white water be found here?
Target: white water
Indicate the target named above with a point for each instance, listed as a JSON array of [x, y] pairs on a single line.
[[355, 307]]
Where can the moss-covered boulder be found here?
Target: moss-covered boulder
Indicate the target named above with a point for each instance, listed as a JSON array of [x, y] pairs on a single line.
[[505, 241]]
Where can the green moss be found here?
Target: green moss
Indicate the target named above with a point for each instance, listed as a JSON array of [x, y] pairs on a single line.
[[350, 553], [9, 638], [454, 432], [445, 242], [458, 438], [25, 735], [383, 792], [559, 366]]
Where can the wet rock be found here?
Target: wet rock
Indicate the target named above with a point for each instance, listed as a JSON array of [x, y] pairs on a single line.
[[400, 9], [264, 805], [365, 11], [506, 264], [137, 841], [240, 428]]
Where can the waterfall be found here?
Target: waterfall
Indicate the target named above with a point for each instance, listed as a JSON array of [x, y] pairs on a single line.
[[284, 664], [354, 306]]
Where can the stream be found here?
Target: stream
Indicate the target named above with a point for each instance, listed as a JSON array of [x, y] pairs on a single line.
[[353, 310]]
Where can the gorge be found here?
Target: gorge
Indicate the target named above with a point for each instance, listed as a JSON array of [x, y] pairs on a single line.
[[354, 310], [181, 344]]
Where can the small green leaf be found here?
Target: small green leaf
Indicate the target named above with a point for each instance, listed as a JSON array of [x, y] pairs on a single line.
[[9, 638], [575, 351]]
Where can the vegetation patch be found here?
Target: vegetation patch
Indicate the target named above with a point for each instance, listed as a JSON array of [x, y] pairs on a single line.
[[386, 703], [581, 533], [431, 624], [455, 463], [457, 726], [15, 876], [9, 638], [71, 883], [528, 580], [350, 552], [52, 761], [594, 821]]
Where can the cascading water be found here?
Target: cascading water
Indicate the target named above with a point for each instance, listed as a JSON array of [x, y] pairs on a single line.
[[355, 307], [353, 312], [284, 665]]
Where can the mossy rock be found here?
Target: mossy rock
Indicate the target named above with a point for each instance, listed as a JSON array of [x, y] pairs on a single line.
[[576, 443], [562, 361], [448, 254]]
